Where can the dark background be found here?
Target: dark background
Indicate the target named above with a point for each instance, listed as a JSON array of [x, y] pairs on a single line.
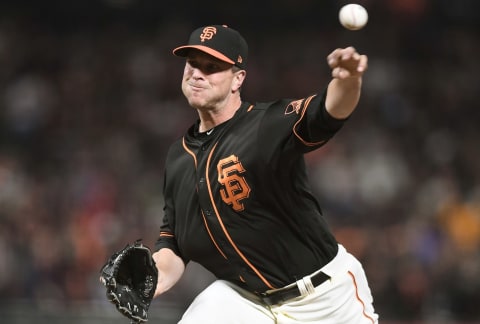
[[90, 100]]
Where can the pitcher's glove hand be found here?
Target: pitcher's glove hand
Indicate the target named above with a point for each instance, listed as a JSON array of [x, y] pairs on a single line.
[[130, 277]]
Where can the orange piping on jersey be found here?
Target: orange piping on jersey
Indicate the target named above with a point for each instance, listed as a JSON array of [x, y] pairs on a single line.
[[212, 238], [167, 234], [189, 152], [358, 297], [250, 108], [203, 216], [307, 102], [265, 281]]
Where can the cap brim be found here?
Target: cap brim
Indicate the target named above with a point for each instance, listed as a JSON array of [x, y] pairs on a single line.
[[183, 52]]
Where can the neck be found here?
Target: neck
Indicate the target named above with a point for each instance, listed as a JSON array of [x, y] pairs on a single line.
[[213, 117]]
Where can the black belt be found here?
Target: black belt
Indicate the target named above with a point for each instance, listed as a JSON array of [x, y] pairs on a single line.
[[284, 294]]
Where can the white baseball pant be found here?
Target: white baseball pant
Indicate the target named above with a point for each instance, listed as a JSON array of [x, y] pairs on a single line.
[[343, 299]]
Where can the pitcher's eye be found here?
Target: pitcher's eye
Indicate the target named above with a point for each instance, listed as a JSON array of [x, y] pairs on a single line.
[[193, 64], [208, 67], [211, 68]]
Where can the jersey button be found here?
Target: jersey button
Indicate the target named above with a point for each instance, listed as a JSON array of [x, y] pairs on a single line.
[[204, 147]]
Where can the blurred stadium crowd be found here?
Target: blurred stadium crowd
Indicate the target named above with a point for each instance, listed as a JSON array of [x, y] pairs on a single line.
[[90, 100]]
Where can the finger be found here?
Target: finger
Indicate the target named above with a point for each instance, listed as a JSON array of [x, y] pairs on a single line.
[[334, 57], [362, 64], [341, 54], [340, 73], [349, 60], [348, 53], [332, 60]]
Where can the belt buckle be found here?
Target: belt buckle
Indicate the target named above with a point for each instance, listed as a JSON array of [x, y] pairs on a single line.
[[279, 295], [301, 287]]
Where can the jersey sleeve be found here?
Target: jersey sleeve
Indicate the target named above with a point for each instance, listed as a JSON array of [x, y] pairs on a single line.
[[297, 125], [315, 126], [166, 237]]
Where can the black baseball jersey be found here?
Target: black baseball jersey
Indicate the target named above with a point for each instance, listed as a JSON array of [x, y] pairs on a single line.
[[237, 198]]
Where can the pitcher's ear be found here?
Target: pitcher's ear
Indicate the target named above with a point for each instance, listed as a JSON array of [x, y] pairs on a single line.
[[238, 79]]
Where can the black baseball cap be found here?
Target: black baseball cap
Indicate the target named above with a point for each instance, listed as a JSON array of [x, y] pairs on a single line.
[[220, 41]]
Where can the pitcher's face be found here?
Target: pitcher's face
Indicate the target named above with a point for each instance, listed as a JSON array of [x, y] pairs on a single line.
[[207, 82]]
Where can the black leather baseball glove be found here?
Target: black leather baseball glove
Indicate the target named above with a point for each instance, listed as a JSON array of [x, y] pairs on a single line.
[[130, 277]]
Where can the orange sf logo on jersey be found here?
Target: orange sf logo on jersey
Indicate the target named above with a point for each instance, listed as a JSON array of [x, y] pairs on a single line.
[[235, 188]]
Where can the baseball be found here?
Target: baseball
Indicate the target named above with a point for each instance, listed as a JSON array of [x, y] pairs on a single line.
[[353, 16]]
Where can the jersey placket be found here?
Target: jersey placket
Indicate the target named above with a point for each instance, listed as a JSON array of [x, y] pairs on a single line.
[[208, 214]]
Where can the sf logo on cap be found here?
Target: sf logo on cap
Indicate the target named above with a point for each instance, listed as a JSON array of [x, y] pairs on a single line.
[[208, 33]]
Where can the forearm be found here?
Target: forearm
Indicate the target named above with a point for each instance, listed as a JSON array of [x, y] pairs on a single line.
[[170, 269], [343, 96], [344, 90]]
